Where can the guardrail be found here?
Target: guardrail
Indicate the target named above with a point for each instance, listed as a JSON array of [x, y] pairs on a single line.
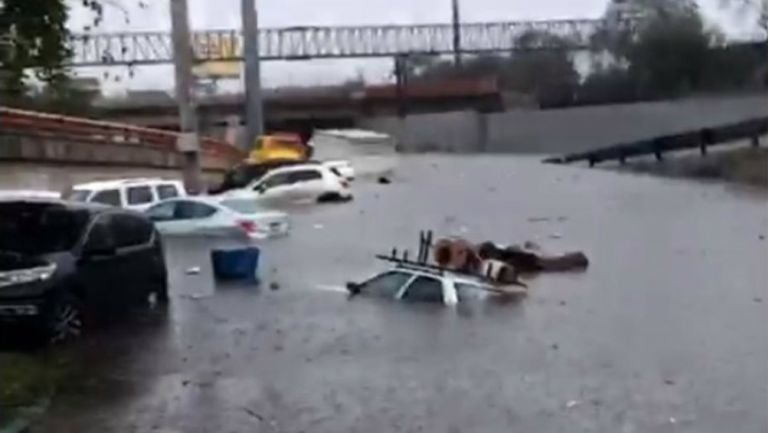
[[699, 139], [58, 127]]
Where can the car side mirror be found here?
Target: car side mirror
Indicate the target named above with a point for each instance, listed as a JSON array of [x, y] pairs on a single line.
[[261, 188], [354, 288]]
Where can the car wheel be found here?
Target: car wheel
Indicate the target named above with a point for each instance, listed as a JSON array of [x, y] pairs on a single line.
[[328, 197], [160, 291], [333, 197], [66, 319]]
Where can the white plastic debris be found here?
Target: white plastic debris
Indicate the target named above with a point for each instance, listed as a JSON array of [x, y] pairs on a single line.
[[571, 404], [319, 226], [194, 270]]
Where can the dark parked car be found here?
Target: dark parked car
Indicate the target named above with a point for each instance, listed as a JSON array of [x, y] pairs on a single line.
[[63, 264]]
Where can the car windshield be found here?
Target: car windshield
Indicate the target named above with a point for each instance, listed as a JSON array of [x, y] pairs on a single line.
[[80, 195], [39, 228], [245, 207]]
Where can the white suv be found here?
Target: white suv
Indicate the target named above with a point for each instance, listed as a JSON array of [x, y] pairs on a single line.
[[136, 194], [305, 182]]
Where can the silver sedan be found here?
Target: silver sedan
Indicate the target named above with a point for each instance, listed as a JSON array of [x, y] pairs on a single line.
[[218, 217]]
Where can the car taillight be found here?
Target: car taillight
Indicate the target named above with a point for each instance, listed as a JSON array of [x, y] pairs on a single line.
[[248, 226]]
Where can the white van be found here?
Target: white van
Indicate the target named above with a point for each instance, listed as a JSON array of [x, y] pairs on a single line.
[[136, 194]]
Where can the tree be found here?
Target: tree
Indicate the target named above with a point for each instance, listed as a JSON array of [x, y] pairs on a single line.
[[33, 40], [36, 35], [670, 54], [540, 67]]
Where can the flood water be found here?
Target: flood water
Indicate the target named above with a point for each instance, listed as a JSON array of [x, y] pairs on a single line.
[[665, 332]]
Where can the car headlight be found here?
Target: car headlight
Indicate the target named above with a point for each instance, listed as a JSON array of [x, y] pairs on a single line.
[[24, 276]]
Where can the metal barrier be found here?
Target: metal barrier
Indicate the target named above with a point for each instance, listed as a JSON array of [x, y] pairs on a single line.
[[54, 126], [700, 139]]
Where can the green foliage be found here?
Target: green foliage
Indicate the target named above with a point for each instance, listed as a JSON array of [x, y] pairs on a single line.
[[36, 34], [548, 74], [670, 55]]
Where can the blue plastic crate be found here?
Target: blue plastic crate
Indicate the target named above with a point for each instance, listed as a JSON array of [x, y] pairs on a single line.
[[236, 264]]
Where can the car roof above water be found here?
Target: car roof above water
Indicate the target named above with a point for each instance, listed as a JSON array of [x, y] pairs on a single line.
[[118, 183], [446, 274]]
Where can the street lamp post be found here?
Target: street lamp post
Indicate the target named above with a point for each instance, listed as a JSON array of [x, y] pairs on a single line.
[[188, 143], [254, 122], [456, 33]]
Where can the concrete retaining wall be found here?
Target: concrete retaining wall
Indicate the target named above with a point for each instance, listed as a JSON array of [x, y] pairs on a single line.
[[31, 149], [60, 177], [564, 130], [444, 132]]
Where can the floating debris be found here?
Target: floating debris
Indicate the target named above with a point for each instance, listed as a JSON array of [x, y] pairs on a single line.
[[194, 270], [571, 404]]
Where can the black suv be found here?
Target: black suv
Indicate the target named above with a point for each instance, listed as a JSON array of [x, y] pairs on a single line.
[[62, 264]]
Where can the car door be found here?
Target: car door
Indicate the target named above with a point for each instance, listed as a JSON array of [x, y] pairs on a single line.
[[387, 285], [200, 218], [307, 185], [109, 197], [424, 289], [276, 187], [135, 252], [100, 271], [164, 217], [139, 197]]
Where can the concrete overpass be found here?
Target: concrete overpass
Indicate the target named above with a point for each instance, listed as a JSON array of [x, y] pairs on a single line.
[[304, 109]]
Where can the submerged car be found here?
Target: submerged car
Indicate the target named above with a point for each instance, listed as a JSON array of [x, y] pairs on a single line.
[[419, 281], [298, 183], [63, 264], [218, 216]]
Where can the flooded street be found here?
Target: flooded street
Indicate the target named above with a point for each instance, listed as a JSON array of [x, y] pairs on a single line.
[[666, 331]]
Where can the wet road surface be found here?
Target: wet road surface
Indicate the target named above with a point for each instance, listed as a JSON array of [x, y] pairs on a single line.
[[665, 332]]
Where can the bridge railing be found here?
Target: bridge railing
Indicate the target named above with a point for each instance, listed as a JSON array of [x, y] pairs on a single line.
[[700, 139], [54, 126]]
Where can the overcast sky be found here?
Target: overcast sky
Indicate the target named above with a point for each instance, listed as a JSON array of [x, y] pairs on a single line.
[[217, 14]]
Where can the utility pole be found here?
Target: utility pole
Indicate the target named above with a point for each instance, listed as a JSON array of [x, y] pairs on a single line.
[[456, 33], [254, 121], [188, 143]]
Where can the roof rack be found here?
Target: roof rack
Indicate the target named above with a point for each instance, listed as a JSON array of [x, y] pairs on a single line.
[[422, 258], [421, 262]]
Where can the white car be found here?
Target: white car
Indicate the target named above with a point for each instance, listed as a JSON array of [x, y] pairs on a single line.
[[343, 168], [297, 183], [217, 217], [135, 194], [421, 283]]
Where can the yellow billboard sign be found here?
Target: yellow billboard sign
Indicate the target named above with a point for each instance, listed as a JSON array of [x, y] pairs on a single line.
[[217, 46]]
